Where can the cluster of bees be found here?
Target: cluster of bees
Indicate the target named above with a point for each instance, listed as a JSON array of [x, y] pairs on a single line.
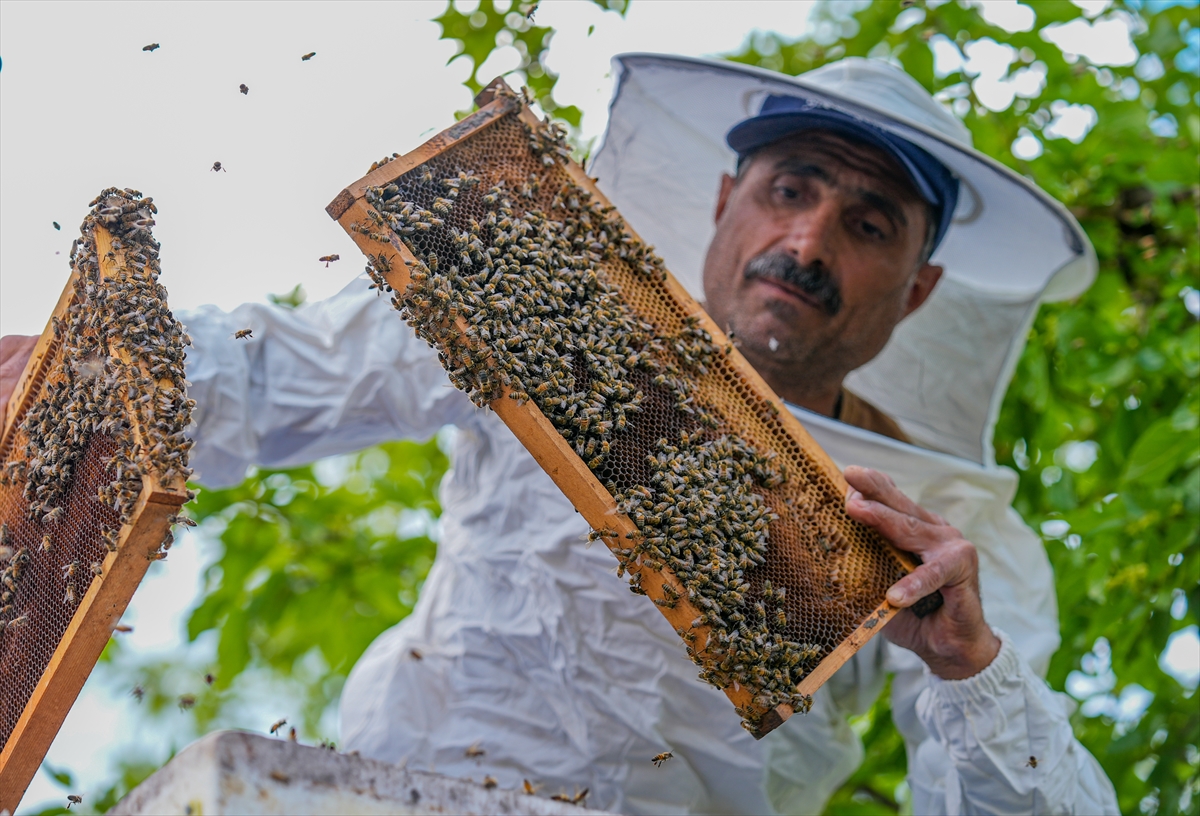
[[520, 309], [701, 518], [122, 365], [509, 287]]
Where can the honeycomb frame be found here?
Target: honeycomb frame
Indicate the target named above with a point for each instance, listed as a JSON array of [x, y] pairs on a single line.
[[732, 388], [45, 662]]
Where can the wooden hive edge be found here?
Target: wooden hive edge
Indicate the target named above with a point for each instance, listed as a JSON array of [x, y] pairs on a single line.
[[528, 423]]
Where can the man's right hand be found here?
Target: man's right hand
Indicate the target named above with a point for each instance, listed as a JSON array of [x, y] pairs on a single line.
[[15, 350]]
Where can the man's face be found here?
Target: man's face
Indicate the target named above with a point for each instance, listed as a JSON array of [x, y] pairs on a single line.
[[816, 258]]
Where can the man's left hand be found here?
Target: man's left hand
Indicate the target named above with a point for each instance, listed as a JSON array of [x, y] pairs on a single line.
[[955, 641]]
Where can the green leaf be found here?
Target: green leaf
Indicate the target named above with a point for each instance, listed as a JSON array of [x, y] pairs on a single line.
[[1157, 454]]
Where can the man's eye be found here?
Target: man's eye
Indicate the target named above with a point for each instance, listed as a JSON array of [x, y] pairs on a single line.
[[872, 230], [786, 192]]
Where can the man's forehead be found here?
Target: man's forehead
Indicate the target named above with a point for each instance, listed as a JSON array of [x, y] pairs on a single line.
[[838, 156]]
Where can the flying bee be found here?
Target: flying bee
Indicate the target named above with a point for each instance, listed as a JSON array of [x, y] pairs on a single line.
[[186, 521], [277, 725], [1032, 763], [56, 225], [308, 56], [74, 798], [490, 782], [209, 678], [328, 259], [244, 89], [186, 701], [416, 654], [292, 734], [474, 751], [529, 787], [659, 759], [217, 168], [151, 47], [121, 627], [242, 334]]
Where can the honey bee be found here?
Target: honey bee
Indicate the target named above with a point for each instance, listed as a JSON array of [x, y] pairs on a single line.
[[1032, 763], [15, 623], [186, 701], [138, 693], [490, 782], [277, 725], [292, 734], [123, 628], [209, 679], [186, 521], [659, 759], [217, 168], [308, 56], [242, 334], [328, 259], [52, 516], [474, 751], [245, 89], [151, 47], [73, 799], [416, 654], [97, 569], [70, 597], [529, 787]]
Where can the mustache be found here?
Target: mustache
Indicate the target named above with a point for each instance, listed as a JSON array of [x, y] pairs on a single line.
[[812, 279]]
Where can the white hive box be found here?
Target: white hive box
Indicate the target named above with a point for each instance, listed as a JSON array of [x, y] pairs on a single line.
[[235, 772]]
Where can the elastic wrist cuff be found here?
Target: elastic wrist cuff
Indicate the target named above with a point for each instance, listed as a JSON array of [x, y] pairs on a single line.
[[988, 683]]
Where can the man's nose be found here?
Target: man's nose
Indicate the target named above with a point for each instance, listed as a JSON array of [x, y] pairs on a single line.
[[812, 234]]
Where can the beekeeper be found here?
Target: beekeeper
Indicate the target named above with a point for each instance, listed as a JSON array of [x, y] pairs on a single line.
[[881, 275]]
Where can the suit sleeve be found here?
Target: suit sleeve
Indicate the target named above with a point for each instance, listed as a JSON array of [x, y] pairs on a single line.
[[328, 378], [1010, 745]]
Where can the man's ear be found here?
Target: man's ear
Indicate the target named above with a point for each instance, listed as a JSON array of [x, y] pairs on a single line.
[[728, 182], [922, 287]]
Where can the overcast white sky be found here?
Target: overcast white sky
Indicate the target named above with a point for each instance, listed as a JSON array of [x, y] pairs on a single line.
[[82, 107]]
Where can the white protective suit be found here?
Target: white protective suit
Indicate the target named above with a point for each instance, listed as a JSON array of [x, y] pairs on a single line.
[[533, 648]]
